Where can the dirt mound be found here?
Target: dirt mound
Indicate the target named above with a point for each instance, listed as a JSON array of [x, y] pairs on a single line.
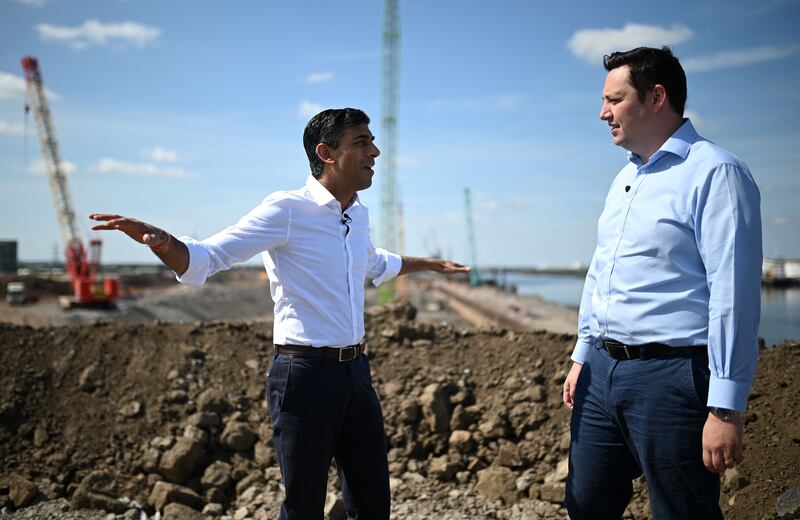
[[128, 417]]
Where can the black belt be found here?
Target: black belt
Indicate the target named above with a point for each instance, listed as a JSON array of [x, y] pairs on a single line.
[[334, 353], [619, 350]]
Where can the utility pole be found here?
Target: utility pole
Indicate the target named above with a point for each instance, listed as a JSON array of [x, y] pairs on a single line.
[[390, 82]]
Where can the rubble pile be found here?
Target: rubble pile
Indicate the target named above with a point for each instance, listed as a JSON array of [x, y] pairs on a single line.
[[131, 419]]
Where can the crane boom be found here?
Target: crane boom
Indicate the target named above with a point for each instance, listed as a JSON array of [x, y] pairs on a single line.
[[81, 267], [62, 198]]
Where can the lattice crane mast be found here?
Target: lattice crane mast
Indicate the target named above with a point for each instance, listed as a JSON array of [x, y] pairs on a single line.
[[390, 217], [390, 80], [81, 266], [474, 276]]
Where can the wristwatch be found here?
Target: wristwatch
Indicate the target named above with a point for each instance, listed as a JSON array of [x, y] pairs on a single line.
[[723, 414]]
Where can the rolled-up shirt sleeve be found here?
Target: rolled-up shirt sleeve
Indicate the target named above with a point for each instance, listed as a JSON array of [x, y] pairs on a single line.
[[728, 233], [382, 265], [585, 338], [265, 227]]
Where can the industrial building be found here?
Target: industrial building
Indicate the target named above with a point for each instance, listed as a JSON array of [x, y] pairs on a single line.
[[8, 256]]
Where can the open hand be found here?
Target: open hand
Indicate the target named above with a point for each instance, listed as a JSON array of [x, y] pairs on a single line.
[[448, 267], [142, 232]]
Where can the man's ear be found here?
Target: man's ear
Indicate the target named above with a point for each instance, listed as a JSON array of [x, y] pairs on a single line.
[[325, 153], [660, 100]]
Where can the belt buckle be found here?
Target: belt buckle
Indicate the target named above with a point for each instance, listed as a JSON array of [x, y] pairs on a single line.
[[627, 352], [350, 349]]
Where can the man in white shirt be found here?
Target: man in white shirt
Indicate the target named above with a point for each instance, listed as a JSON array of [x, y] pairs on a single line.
[[316, 248]]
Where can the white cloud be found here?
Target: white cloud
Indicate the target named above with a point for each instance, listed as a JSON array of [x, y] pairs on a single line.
[[489, 205], [13, 87], [108, 165], [34, 3], [37, 168], [11, 128], [162, 155], [319, 77], [452, 217], [592, 44], [701, 123], [308, 109], [408, 161], [94, 32], [503, 102], [739, 58]]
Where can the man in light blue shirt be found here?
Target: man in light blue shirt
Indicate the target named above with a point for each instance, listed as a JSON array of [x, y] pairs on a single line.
[[669, 316]]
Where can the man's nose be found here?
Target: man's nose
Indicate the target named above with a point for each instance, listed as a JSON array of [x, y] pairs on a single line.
[[375, 151], [604, 112]]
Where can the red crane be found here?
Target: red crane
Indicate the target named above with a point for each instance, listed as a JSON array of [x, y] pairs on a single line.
[[81, 266]]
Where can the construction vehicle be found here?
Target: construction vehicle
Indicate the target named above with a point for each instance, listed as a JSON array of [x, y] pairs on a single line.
[[88, 287], [16, 294]]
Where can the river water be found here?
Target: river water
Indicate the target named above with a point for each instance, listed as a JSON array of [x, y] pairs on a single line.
[[780, 306]]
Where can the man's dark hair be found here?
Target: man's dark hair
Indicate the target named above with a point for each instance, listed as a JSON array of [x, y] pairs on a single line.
[[326, 128], [650, 67]]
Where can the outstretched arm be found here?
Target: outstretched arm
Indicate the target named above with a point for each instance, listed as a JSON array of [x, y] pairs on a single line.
[[169, 249], [413, 265]]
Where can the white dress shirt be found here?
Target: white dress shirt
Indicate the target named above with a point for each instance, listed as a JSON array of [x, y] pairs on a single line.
[[678, 261], [317, 258]]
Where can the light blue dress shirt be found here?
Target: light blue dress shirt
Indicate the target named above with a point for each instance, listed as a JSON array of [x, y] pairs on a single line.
[[678, 261]]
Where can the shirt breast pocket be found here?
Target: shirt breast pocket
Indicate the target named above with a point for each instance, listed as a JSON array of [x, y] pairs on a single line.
[[359, 249]]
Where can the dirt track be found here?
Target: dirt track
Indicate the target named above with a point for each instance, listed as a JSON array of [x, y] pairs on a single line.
[[474, 419]]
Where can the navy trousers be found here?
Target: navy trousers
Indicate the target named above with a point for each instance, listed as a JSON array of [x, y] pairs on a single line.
[[634, 417], [322, 410]]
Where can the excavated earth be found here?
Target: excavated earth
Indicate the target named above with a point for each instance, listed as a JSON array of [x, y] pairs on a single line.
[[125, 420]]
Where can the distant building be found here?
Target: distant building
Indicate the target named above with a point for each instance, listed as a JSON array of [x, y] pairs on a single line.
[[8, 256], [780, 271]]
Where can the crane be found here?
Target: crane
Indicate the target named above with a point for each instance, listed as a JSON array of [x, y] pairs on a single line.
[[81, 265], [390, 83], [474, 276]]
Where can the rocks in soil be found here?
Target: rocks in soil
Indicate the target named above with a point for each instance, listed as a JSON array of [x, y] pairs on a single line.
[[21, 491], [788, 504], [172, 416]]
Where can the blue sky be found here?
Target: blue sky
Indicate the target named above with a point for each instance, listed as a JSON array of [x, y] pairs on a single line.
[[187, 113]]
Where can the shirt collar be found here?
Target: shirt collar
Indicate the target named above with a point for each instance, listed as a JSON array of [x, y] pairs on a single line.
[[321, 195], [678, 144], [681, 140]]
